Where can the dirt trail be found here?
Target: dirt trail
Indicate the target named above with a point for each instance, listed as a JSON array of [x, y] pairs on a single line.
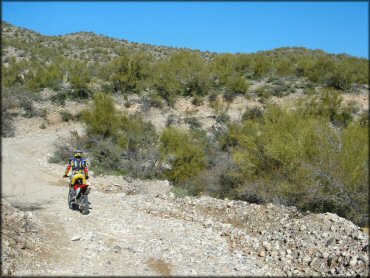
[[138, 227], [115, 238]]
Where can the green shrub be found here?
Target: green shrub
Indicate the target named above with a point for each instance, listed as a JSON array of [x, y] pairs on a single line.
[[197, 100], [221, 68], [64, 148], [26, 103], [66, 116], [129, 72], [253, 113], [103, 119], [80, 77], [7, 125], [119, 143], [329, 104], [43, 112], [172, 120], [7, 122], [237, 84], [45, 77], [297, 159], [363, 119], [223, 118], [260, 66], [43, 125], [179, 191], [284, 67], [61, 97], [184, 152], [229, 96], [156, 101], [193, 122], [184, 73]]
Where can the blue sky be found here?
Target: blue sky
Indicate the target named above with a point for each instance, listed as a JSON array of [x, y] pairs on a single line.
[[336, 27]]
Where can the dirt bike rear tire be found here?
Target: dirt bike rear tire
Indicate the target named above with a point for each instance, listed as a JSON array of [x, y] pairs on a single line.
[[70, 197], [85, 205]]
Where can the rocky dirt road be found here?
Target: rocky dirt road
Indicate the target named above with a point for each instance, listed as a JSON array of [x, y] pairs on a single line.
[[139, 227], [115, 238]]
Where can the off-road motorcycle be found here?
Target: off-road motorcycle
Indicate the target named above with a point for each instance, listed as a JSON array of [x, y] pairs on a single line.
[[77, 195]]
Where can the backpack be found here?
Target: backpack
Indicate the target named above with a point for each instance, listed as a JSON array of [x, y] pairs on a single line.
[[78, 164]]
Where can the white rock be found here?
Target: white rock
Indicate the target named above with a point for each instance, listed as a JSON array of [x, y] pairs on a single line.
[[230, 204], [75, 238], [262, 253]]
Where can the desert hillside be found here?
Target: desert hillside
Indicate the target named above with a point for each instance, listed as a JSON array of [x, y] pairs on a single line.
[[201, 163]]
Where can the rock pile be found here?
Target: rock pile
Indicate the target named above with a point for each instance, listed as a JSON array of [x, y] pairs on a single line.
[[18, 236], [296, 243], [291, 242]]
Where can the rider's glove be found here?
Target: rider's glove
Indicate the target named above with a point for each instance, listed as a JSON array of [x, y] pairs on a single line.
[[65, 176], [87, 177]]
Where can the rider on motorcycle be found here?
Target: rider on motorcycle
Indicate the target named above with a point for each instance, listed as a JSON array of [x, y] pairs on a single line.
[[77, 164]]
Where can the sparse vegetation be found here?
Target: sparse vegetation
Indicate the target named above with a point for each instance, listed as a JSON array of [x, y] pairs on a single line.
[[314, 156], [66, 116]]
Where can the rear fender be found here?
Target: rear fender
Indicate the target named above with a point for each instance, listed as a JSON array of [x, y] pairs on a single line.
[[78, 176]]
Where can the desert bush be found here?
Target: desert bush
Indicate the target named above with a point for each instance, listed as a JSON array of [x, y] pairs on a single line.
[[281, 89], [64, 148], [284, 67], [223, 118], [7, 119], [172, 120], [197, 100], [260, 66], [264, 93], [142, 165], [26, 103], [229, 95], [297, 159], [66, 116], [45, 77], [136, 134], [7, 125], [61, 97], [152, 101], [363, 119], [221, 68], [184, 152], [43, 125], [216, 180], [14, 74], [218, 105], [7, 122], [156, 101], [212, 97], [253, 113], [184, 73], [193, 122], [179, 191], [103, 118], [106, 155], [119, 143], [43, 113], [341, 76], [329, 104], [129, 72]]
